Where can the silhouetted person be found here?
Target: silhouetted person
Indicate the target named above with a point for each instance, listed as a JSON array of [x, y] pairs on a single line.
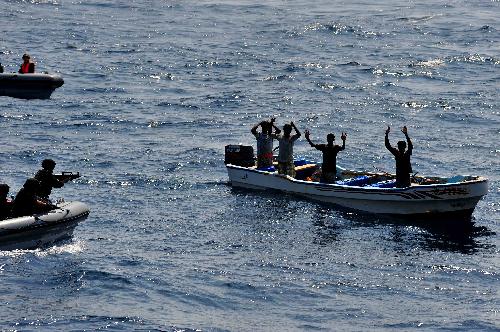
[[1, 68], [330, 150], [5, 204], [47, 179], [402, 156], [27, 67], [285, 155], [265, 142], [26, 202]]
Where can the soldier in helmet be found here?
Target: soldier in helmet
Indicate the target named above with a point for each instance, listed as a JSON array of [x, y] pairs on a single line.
[[26, 202], [47, 179]]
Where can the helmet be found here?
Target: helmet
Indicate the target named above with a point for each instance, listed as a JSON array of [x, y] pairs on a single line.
[[48, 164]]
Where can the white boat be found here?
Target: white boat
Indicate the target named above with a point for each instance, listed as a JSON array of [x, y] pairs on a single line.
[[29, 86], [371, 192], [39, 230]]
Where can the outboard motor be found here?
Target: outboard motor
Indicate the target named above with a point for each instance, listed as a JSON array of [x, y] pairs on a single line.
[[239, 155]]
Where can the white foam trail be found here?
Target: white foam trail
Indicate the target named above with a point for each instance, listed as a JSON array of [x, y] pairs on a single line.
[[70, 248], [430, 63], [74, 247]]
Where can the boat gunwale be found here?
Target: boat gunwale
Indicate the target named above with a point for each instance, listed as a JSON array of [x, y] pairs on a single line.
[[478, 180], [40, 225], [30, 76]]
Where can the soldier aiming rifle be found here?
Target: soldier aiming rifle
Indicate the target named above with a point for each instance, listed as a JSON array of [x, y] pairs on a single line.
[[48, 180]]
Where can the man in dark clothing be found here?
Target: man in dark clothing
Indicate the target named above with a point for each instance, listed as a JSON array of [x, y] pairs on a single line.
[[26, 202], [27, 67], [5, 204], [330, 150], [403, 164], [47, 179]]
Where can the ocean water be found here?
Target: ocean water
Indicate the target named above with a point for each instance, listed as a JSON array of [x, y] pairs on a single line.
[[155, 89]]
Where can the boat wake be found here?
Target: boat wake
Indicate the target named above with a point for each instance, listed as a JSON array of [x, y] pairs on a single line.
[[73, 247]]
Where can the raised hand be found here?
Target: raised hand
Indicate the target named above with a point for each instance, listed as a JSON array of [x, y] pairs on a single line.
[[343, 136], [273, 119], [405, 130], [388, 130]]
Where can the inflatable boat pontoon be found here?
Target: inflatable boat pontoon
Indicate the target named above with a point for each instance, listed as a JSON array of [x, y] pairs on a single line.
[[29, 86], [38, 230]]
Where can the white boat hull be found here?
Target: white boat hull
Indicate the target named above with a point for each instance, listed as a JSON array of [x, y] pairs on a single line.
[[39, 230], [417, 200]]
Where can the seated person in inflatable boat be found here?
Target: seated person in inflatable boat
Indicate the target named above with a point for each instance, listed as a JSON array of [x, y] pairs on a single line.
[[27, 203], [27, 66], [5, 203]]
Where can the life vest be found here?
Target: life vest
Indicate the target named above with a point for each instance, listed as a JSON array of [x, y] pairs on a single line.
[[25, 68]]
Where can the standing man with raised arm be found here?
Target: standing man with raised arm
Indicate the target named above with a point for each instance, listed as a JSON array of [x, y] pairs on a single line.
[[402, 156], [330, 150], [265, 142], [285, 155]]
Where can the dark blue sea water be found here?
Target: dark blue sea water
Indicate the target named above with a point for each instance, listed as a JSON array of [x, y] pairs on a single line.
[[155, 89]]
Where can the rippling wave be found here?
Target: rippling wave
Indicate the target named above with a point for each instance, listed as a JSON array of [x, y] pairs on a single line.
[[154, 90]]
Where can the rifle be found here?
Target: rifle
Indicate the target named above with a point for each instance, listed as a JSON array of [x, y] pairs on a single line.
[[67, 176]]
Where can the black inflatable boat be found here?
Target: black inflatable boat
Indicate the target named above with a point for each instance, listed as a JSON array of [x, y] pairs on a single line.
[[29, 86]]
